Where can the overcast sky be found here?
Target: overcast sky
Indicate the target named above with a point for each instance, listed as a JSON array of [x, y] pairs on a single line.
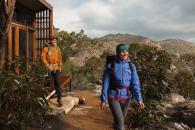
[[155, 19]]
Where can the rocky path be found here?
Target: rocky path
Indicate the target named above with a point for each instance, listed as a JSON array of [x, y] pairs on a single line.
[[83, 117], [180, 114], [89, 116]]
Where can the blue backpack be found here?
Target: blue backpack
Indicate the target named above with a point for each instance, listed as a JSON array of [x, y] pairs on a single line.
[[110, 59]]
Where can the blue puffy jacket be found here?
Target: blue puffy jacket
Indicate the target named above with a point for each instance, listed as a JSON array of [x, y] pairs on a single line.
[[123, 77]]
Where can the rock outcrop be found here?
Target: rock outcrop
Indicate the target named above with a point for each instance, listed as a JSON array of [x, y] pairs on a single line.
[[180, 113]]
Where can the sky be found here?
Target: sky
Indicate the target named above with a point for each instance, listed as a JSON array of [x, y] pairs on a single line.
[[155, 19]]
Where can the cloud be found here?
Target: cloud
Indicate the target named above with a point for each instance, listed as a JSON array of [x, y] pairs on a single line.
[[156, 19]]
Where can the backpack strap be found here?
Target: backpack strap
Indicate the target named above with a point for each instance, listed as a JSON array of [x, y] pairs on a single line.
[[131, 66], [112, 75], [111, 70], [131, 69], [58, 49], [48, 51]]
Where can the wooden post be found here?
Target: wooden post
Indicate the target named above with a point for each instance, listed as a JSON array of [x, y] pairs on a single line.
[[51, 21], [27, 53], [34, 43], [10, 45], [17, 50], [70, 84]]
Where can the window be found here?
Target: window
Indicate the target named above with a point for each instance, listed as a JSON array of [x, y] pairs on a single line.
[[22, 50], [22, 16], [30, 46]]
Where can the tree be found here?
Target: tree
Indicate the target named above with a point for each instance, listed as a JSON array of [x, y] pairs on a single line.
[[6, 12]]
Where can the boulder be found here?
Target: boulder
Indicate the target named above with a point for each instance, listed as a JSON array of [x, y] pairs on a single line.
[[97, 90], [174, 98], [185, 112], [170, 101], [68, 103]]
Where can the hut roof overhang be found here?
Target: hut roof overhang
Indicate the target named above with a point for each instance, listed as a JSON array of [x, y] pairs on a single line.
[[35, 5]]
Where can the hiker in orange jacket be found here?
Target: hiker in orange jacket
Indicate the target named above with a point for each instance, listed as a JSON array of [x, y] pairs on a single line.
[[52, 58]]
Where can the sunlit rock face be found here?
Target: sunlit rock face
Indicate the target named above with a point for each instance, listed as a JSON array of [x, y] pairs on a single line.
[[180, 113]]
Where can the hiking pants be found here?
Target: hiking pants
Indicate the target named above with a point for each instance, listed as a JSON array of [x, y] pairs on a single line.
[[119, 111], [56, 77]]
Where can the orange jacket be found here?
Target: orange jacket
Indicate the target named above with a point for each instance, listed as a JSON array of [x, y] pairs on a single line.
[[51, 56]]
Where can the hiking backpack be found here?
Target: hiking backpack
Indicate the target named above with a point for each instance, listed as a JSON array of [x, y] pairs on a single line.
[[110, 59], [49, 51]]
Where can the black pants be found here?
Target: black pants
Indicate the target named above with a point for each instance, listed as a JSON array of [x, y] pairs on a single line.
[[119, 111], [56, 77]]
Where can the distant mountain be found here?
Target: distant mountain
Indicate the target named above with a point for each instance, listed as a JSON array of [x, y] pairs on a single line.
[[109, 43], [171, 45], [125, 38], [177, 46]]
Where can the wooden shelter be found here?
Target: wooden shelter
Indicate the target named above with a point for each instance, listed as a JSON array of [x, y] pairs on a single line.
[[31, 25]]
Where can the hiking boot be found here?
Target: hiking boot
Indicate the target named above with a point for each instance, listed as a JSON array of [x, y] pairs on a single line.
[[60, 102]]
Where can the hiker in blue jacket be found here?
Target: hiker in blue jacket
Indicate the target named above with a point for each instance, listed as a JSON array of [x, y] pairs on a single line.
[[119, 79]]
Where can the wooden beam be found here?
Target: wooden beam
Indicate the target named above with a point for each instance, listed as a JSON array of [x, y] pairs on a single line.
[[48, 18], [34, 43], [27, 53], [17, 50], [23, 26], [51, 21], [42, 28], [10, 45]]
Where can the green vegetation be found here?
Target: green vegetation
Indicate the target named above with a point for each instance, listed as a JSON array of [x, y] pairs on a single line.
[[152, 65], [90, 73], [86, 76], [22, 99], [71, 44], [184, 83], [184, 76]]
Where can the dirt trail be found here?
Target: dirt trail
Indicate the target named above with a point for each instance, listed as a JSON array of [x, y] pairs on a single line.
[[89, 116], [83, 117]]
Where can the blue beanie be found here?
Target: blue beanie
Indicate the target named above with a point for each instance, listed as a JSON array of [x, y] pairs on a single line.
[[122, 47]]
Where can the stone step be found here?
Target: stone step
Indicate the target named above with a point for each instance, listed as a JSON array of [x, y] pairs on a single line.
[[68, 103]]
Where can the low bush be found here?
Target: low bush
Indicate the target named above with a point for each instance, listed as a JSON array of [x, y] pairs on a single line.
[[152, 65], [22, 99]]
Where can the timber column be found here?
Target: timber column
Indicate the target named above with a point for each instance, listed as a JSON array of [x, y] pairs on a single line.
[[51, 21]]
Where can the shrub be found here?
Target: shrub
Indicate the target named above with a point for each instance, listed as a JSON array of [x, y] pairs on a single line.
[[88, 75], [94, 68], [152, 64], [184, 76], [22, 99], [184, 83]]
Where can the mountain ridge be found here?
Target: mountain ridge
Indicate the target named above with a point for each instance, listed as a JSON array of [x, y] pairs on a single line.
[[109, 42]]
